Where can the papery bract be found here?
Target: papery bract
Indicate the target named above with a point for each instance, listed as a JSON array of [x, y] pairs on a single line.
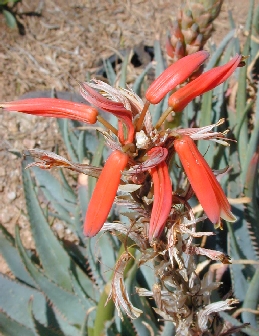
[[162, 199], [51, 107], [204, 184], [104, 193], [205, 82], [174, 75]]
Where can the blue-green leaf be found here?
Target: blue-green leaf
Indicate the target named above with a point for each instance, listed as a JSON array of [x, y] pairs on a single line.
[[9, 18], [60, 198], [9, 327], [251, 301], [11, 256], [67, 304], [123, 77], [138, 82], [54, 258], [215, 57], [111, 74], [65, 127], [249, 331], [15, 295], [40, 328], [14, 299], [169, 329]]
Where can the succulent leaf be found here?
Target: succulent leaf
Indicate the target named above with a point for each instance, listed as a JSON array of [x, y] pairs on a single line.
[[123, 75], [10, 291], [65, 127], [42, 330], [234, 322], [9, 327], [11, 256], [60, 198], [53, 257], [251, 301], [55, 294], [111, 74]]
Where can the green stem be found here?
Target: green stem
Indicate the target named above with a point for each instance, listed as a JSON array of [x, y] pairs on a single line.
[[107, 125], [142, 116], [163, 117]]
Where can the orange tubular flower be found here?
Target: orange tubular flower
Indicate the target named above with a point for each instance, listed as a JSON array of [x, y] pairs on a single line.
[[51, 107], [205, 82], [104, 193], [162, 199], [203, 182], [175, 75]]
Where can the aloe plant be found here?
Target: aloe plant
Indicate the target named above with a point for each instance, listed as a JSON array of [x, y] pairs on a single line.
[[74, 287]]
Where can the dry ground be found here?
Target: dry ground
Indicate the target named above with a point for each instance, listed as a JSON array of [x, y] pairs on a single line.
[[68, 39]]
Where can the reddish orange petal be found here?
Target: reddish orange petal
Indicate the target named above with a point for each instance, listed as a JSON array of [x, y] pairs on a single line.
[[116, 108], [162, 199], [51, 107], [104, 193], [174, 75], [203, 181], [205, 82]]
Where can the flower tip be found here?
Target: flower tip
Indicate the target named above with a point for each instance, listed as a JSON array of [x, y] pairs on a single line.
[[104, 193], [88, 232], [174, 75], [242, 61], [205, 82], [218, 225], [228, 216]]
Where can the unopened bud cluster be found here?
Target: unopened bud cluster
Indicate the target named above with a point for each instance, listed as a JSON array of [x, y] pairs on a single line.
[[192, 28]]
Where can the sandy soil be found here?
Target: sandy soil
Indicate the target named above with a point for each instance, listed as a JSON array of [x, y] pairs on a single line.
[[65, 40]]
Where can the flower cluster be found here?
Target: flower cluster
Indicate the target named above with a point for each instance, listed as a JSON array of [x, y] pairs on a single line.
[[142, 152]]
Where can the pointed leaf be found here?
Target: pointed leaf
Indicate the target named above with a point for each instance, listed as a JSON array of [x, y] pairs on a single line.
[[214, 59], [53, 257], [11, 256], [249, 151], [241, 107], [251, 301], [123, 77], [9, 327], [249, 331], [67, 304], [10, 292], [64, 125], [42, 330], [111, 74], [169, 329], [61, 198], [138, 82]]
